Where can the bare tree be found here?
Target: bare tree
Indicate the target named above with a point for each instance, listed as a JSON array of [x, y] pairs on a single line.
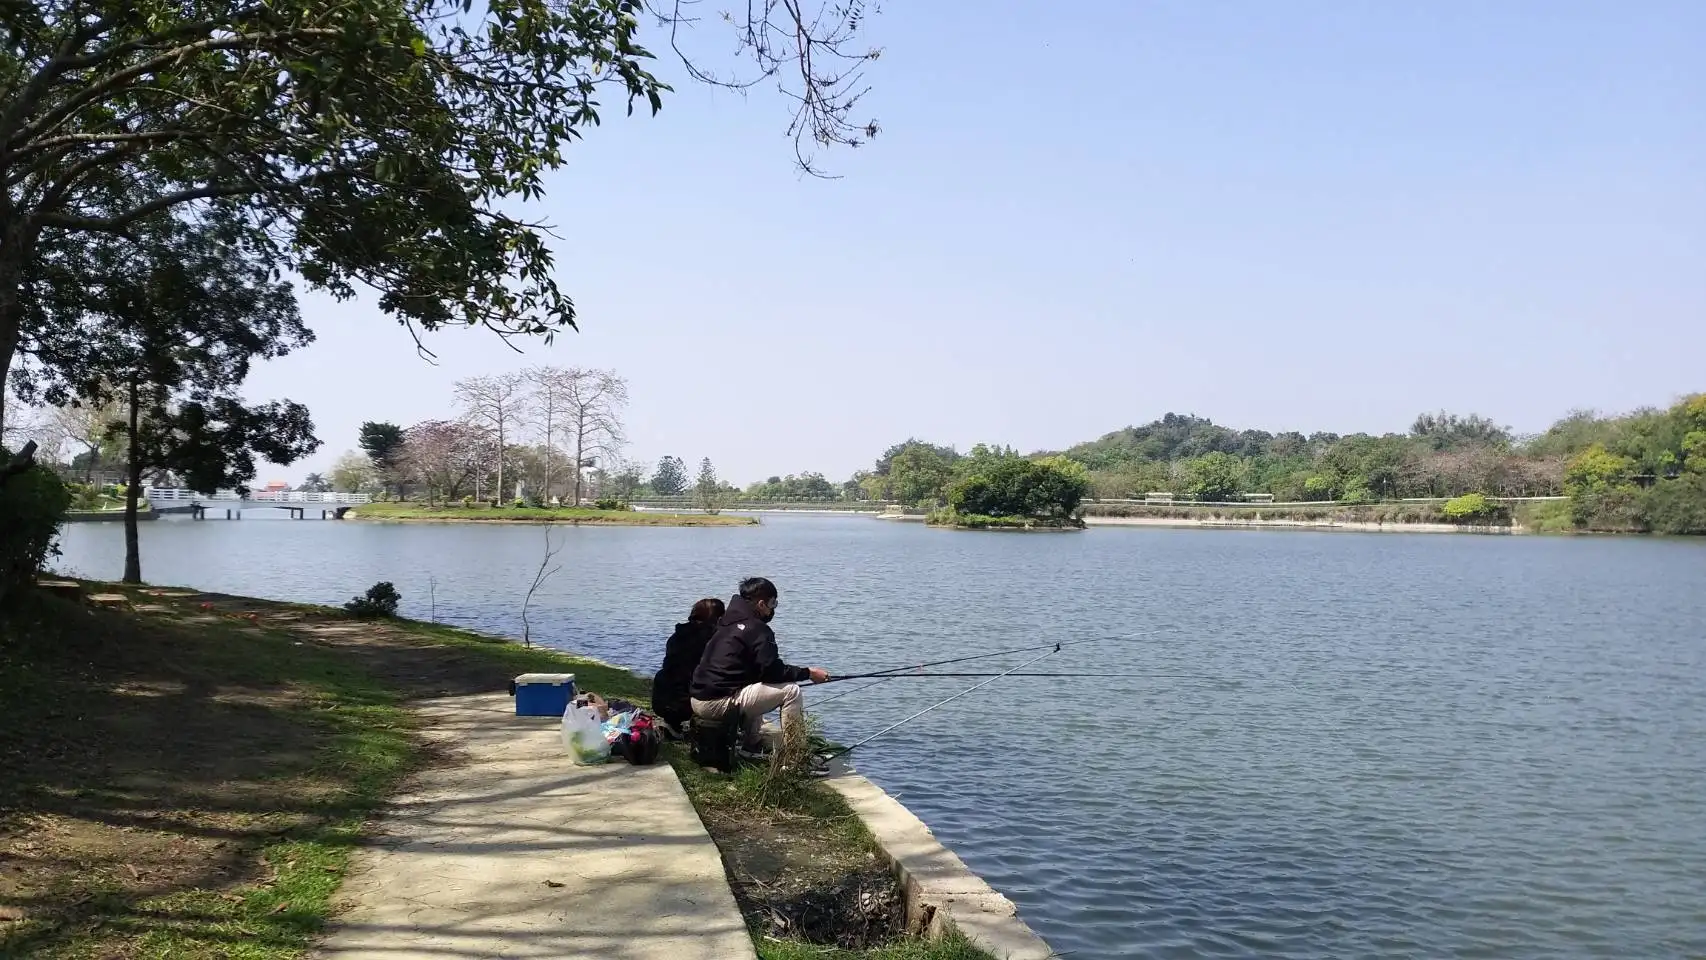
[[544, 573], [90, 426], [495, 403], [595, 400], [549, 408], [815, 58], [26, 423]]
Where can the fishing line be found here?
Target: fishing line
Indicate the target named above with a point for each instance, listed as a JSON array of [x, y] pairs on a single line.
[[977, 686], [898, 671]]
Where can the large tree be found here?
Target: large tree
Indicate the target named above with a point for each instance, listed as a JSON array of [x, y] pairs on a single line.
[[174, 317], [494, 404], [670, 477], [377, 143], [595, 400], [444, 456], [383, 444], [548, 407]]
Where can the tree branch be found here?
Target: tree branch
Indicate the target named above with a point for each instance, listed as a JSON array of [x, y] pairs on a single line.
[[118, 224], [117, 81]]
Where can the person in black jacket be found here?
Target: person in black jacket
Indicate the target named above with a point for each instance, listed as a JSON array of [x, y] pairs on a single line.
[[742, 668], [681, 656]]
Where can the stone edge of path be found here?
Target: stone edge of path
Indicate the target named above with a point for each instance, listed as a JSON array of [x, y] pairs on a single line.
[[942, 894]]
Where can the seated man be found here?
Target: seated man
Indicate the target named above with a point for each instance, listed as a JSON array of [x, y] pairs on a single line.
[[742, 669]]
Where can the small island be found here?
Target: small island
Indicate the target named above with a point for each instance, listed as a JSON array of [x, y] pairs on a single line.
[[605, 514], [996, 489]]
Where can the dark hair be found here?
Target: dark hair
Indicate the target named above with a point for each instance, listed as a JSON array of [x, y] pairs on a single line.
[[757, 589], [708, 610]]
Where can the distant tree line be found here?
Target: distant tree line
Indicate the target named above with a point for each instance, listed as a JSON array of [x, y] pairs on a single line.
[[544, 434]]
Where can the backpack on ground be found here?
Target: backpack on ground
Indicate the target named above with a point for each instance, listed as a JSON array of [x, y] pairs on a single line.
[[715, 741], [640, 742]]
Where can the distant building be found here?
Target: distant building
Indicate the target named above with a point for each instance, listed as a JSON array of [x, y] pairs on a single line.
[[277, 486]]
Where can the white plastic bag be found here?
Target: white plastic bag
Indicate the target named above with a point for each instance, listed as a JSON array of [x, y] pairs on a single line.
[[583, 736]]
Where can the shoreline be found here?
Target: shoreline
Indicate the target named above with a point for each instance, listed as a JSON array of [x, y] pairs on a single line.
[[640, 518], [1348, 526]]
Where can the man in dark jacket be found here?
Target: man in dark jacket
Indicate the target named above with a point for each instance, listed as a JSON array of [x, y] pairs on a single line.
[[742, 668]]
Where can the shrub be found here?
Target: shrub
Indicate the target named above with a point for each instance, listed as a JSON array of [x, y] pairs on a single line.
[[380, 600], [1618, 510], [467, 503], [518, 503], [1676, 506], [1357, 491], [612, 503], [1473, 508], [32, 506]]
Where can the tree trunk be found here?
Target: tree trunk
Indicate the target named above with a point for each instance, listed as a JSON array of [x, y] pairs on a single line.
[[15, 249], [580, 455], [10, 315], [550, 410], [132, 493], [500, 455]]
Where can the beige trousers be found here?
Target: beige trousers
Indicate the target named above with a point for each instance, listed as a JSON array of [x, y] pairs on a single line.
[[754, 702]]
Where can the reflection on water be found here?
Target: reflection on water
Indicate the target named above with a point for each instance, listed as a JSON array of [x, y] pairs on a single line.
[[1292, 744]]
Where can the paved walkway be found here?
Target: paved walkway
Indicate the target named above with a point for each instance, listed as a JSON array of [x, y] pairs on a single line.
[[507, 851]]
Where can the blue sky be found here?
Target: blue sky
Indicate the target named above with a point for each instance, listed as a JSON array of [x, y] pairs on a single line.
[[1307, 215]]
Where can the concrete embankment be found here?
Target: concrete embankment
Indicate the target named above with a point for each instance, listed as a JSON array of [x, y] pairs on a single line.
[[943, 896], [1364, 526]]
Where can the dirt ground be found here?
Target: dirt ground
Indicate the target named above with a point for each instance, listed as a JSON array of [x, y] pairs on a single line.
[[801, 869]]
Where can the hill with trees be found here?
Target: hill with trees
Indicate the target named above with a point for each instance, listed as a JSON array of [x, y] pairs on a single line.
[[1636, 472]]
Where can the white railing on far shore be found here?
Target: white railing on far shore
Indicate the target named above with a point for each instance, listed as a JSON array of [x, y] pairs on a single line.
[[178, 495]]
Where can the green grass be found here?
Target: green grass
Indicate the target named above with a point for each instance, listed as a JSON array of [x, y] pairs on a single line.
[[365, 746], [481, 513]]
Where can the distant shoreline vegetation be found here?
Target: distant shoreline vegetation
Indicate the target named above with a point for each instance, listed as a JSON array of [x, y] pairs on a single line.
[[1642, 472], [485, 513]]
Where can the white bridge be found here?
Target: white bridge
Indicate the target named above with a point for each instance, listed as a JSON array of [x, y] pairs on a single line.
[[169, 495]]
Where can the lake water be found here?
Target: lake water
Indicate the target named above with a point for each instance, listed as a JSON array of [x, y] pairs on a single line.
[[1300, 745]]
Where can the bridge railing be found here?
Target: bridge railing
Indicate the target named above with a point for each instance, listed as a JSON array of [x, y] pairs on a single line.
[[180, 495]]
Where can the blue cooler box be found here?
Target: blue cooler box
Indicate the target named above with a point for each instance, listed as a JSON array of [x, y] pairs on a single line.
[[543, 694]]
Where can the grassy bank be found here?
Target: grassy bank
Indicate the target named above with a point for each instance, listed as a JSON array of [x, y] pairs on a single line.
[[482, 513], [187, 777], [804, 869]]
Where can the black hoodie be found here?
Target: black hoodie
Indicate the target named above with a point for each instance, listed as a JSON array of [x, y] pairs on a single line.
[[742, 652], [680, 658]]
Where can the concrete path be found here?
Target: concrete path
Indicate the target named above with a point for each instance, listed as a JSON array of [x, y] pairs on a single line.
[[506, 850]]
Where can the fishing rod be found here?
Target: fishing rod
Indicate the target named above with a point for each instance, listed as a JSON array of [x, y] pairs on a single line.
[[897, 676], [976, 686], [1194, 677], [901, 671]]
